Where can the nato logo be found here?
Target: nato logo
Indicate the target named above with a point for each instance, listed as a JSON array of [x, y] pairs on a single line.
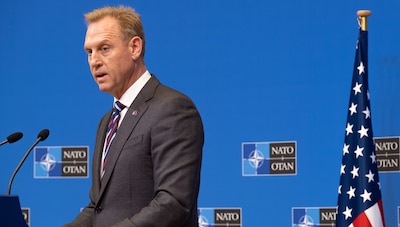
[[269, 158], [213, 217], [387, 153], [313, 216], [61, 162]]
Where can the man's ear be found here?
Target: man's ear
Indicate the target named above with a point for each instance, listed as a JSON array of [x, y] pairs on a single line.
[[135, 45]]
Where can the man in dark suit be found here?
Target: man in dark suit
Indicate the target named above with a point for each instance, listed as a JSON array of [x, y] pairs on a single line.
[[147, 173]]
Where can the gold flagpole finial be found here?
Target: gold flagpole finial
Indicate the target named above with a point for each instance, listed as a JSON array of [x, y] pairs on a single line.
[[362, 18]]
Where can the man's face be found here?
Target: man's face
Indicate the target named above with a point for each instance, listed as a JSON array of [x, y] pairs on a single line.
[[109, 56]]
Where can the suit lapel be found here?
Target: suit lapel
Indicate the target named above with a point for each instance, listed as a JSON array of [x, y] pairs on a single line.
[[128, 124], [98, 151]]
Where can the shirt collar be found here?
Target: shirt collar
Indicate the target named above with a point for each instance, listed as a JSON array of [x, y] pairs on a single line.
[[130, 95]]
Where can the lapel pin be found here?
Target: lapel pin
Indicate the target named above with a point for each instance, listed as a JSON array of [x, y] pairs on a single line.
[[134, 113]]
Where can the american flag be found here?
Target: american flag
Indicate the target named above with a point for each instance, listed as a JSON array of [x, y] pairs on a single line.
[[359, 199]]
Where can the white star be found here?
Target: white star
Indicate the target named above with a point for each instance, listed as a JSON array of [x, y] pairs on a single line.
[[359, 151], [366, 196], [357, 88], [363, 131], [368, 94], [353, 109], [342, 171], [340, 189], [370, 176], [373, 157], [346, 149], [354, 172], [360, 68], [351, 192], [347, 213], [349, 129], [367, 113]]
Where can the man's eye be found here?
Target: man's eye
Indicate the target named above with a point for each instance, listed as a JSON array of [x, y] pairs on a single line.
[[105, 49], [89, 52]]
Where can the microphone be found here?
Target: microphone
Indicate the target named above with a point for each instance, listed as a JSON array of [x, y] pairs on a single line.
[[41, 136], [12, 138]]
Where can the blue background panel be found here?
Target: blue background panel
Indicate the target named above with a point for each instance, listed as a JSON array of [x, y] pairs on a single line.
[[257, 71]]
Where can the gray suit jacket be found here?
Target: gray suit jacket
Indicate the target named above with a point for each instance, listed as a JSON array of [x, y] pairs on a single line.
[[153, 169]]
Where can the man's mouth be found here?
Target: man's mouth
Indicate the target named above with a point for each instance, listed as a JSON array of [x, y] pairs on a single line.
[[100, 75]]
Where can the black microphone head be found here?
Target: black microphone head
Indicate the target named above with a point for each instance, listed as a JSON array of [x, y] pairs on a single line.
[[43, 134], [14, 137]]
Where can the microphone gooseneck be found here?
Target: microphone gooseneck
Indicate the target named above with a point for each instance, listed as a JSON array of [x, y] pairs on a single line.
[[41, 136]]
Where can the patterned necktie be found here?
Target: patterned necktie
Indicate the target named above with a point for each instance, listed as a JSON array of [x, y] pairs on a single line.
[[111, 132]]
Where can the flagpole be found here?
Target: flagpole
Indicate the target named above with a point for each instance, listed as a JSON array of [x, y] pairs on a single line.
[[362, 15]]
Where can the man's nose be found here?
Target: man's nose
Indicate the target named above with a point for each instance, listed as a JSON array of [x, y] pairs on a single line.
[[95, 60]]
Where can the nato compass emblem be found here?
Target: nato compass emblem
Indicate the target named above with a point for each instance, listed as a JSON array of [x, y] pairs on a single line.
[[306, 221], [47, 162], [203, 222], [256, 159]]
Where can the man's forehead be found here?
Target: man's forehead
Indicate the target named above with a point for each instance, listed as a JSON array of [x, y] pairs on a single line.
[[104, 25], [101, 30]]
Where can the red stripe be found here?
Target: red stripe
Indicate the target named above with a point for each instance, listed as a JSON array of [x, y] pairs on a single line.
[[362, 221], [381, 210]]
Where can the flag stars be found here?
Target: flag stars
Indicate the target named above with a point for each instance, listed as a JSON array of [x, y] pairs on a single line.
[[359, 151], [349, 129], [367, 113], [366, 196], [354, 172], [373, 157], [347, 213], [361, 68], [346, 148], [357, 88], [363, 131], [340, 189], [351, 192], [342, 171], [353, 109], [370, 176]]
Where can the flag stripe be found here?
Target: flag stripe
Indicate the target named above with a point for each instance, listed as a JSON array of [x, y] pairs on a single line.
[[381, 211], [374, 215], [362, 221]]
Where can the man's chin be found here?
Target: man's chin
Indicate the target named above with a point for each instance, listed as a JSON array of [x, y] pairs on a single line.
[[103, 88]]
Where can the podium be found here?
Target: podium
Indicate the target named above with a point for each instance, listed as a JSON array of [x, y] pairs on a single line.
[[10, 212]]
